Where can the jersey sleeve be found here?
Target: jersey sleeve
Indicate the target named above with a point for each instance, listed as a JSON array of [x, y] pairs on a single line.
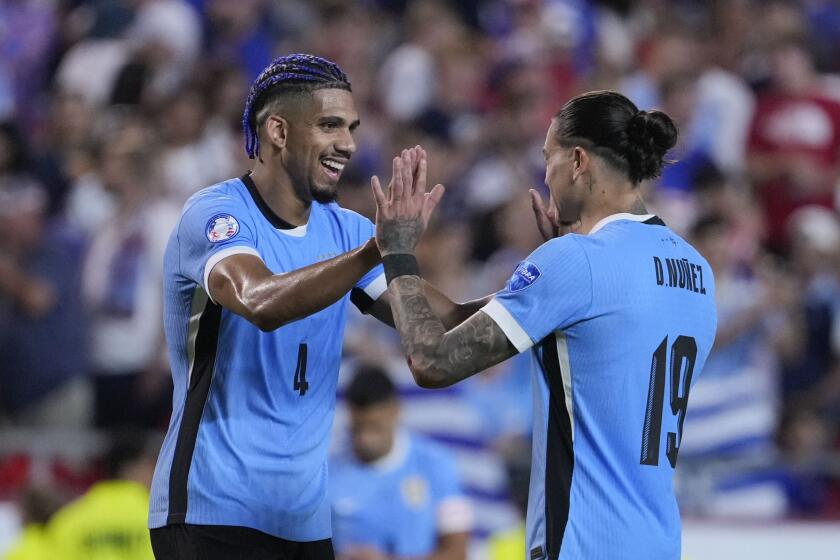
[[372, 285], [212, 228], [550, 290]]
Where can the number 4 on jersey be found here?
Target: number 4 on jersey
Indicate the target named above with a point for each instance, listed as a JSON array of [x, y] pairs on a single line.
[[301, 384], [683, 355]]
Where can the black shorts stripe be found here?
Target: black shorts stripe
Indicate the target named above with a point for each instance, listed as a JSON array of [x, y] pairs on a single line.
[[559, 456], [206, 343]]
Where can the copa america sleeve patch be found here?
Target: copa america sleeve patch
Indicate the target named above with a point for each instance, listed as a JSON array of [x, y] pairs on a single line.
[[524, 275], [221, 227]]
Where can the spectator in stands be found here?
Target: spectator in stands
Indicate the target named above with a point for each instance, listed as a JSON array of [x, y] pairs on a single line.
[[395, 494], [42, 349], [109, 521], [810, 375], [756, 313], [122, 285], [37, 506], [794, 145]]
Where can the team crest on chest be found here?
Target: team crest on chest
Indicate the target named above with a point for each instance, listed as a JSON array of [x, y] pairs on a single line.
[[524, 275], [221, 227], [415, 491]]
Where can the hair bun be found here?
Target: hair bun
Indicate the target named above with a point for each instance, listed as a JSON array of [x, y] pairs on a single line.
[[650, 134]]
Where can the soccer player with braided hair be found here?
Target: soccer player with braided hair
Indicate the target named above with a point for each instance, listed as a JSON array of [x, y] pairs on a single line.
[[258, 275], [619, 314]]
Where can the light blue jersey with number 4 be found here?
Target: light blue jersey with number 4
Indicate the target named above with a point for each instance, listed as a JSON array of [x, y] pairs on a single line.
[[621, 322], [252, 411]]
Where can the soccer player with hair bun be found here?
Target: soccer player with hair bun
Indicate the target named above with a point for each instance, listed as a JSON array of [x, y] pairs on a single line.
[[620, 317], [257, 277]]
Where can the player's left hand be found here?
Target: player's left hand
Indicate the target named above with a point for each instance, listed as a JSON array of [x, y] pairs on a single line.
[[402, 215]]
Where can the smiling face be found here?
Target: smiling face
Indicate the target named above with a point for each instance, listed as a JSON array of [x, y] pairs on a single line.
[[320, 142], [563, 165]]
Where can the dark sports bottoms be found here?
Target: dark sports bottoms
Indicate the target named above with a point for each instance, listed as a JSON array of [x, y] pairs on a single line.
[[226, 542]]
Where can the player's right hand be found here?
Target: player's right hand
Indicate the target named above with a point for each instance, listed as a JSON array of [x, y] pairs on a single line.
[[547, 218]]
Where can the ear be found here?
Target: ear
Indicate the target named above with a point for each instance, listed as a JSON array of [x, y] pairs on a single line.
[[277, 130], [580, 162]]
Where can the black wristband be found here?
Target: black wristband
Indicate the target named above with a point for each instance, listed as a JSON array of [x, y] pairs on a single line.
[[400, 264]]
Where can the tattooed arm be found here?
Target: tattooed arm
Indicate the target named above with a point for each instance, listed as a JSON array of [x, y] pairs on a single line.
[[451, 313], [437, 357]]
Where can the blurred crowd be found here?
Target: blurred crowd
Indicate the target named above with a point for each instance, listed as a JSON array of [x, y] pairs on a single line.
[[113, 113]]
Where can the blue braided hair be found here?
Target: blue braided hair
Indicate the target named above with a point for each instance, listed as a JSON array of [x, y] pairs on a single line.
[[287, 74]]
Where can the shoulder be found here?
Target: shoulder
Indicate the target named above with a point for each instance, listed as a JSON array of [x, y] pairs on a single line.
[[229, 191], [429, 452], [343, 214]]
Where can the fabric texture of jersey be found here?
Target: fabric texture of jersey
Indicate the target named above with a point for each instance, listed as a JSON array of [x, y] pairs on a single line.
[[252, 411], [399, 504], [621, 322]]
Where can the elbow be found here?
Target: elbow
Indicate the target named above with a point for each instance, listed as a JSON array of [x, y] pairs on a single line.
[[429, 377], [260, 317]]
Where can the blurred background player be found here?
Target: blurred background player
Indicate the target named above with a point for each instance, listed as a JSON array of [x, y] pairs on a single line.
[[613, 315], [395, 494]]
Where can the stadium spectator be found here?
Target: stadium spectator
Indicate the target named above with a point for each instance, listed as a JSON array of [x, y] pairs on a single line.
[[740, 388], [38, 505], [794, 144], [42, 324], [809, 374], [122, 284], [109, 521], [394, 493]]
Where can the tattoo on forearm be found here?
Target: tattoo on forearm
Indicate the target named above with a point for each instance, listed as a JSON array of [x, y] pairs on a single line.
[[400, 235], [476, 344]]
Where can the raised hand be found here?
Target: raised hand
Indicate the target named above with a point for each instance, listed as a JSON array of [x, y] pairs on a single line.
[[402, 215], [547, 221], [548, 218]]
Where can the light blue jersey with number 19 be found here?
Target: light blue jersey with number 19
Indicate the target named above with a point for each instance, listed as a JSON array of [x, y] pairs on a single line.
[[621, 322], [252, 411]]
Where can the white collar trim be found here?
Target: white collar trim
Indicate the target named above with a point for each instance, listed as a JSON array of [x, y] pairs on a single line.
[[299, 231], [396, 456], [621, 216]]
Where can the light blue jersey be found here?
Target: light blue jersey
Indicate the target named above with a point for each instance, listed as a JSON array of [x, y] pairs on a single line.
[[400, 504], [621, 322], [252, 411]]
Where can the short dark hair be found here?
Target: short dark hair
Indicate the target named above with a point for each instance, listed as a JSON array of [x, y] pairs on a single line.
[[630, 140], [290, 74], [370, 386]]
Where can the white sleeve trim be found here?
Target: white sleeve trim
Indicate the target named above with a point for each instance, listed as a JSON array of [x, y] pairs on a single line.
[[377, 287], [216, 258], [510, 326], [455, 515]]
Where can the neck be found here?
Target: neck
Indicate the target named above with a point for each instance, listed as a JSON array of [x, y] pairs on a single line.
[[276, 189], [628, 200]]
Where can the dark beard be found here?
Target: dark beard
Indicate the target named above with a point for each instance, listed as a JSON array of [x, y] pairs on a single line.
[[324, 197]]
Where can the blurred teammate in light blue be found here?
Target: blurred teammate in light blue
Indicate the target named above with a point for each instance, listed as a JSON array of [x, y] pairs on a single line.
[[620, 315], [395, 494]]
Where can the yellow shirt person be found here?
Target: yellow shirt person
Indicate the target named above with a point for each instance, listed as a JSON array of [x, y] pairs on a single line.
[[108, 523]]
